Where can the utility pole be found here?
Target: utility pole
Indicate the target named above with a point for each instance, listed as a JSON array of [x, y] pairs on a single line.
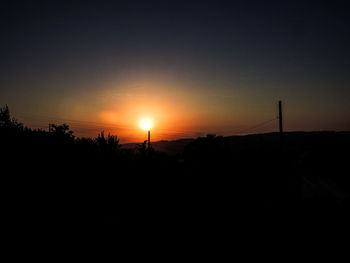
[[280, 123], [149, 139]]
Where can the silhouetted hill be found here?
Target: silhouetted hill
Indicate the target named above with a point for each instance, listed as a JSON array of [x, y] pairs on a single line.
[[169, 147], [311, 165], [292, 141]]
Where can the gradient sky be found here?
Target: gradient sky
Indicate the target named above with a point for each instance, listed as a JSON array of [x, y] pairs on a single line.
[[194, 67]]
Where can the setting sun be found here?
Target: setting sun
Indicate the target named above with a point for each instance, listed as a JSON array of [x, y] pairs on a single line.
[[146, 124]]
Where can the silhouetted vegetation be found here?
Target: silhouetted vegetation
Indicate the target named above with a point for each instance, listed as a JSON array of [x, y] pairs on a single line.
[[57, 176]]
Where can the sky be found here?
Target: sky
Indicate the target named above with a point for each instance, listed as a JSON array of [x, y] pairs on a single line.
[[192, 67]]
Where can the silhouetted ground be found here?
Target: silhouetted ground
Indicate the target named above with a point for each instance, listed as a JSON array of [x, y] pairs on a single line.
[[175, 147], [54, 179]]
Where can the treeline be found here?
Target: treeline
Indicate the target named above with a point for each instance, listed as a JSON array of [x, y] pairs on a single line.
[[59, 143]]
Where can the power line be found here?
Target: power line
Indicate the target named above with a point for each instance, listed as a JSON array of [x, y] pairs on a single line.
[[255, 126], [44, 119], [86, 126]]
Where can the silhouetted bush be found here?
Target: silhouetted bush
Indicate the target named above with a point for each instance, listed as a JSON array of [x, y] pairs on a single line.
[[107, 145]]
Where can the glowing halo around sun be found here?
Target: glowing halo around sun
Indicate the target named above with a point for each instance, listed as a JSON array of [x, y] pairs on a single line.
[[146, 124]]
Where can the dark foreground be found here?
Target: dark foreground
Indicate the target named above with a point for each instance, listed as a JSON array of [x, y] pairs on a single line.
[[53, 180]]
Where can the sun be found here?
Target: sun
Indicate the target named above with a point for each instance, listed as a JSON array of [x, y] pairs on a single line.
[[146, 124]]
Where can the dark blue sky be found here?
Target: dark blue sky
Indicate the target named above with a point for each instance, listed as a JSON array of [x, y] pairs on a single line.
[[255, 52]]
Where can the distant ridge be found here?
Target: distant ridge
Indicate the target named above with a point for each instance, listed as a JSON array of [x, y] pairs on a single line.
[[293, 138], [169, 147]]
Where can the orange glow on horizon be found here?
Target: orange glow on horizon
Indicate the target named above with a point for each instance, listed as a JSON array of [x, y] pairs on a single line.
[[172, 113], [128, 113]]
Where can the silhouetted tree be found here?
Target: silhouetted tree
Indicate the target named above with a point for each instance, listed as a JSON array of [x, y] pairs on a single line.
[[6, 121], [62, 129]]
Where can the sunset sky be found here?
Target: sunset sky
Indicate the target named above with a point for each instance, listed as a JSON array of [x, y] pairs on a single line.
[[192, 67]]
